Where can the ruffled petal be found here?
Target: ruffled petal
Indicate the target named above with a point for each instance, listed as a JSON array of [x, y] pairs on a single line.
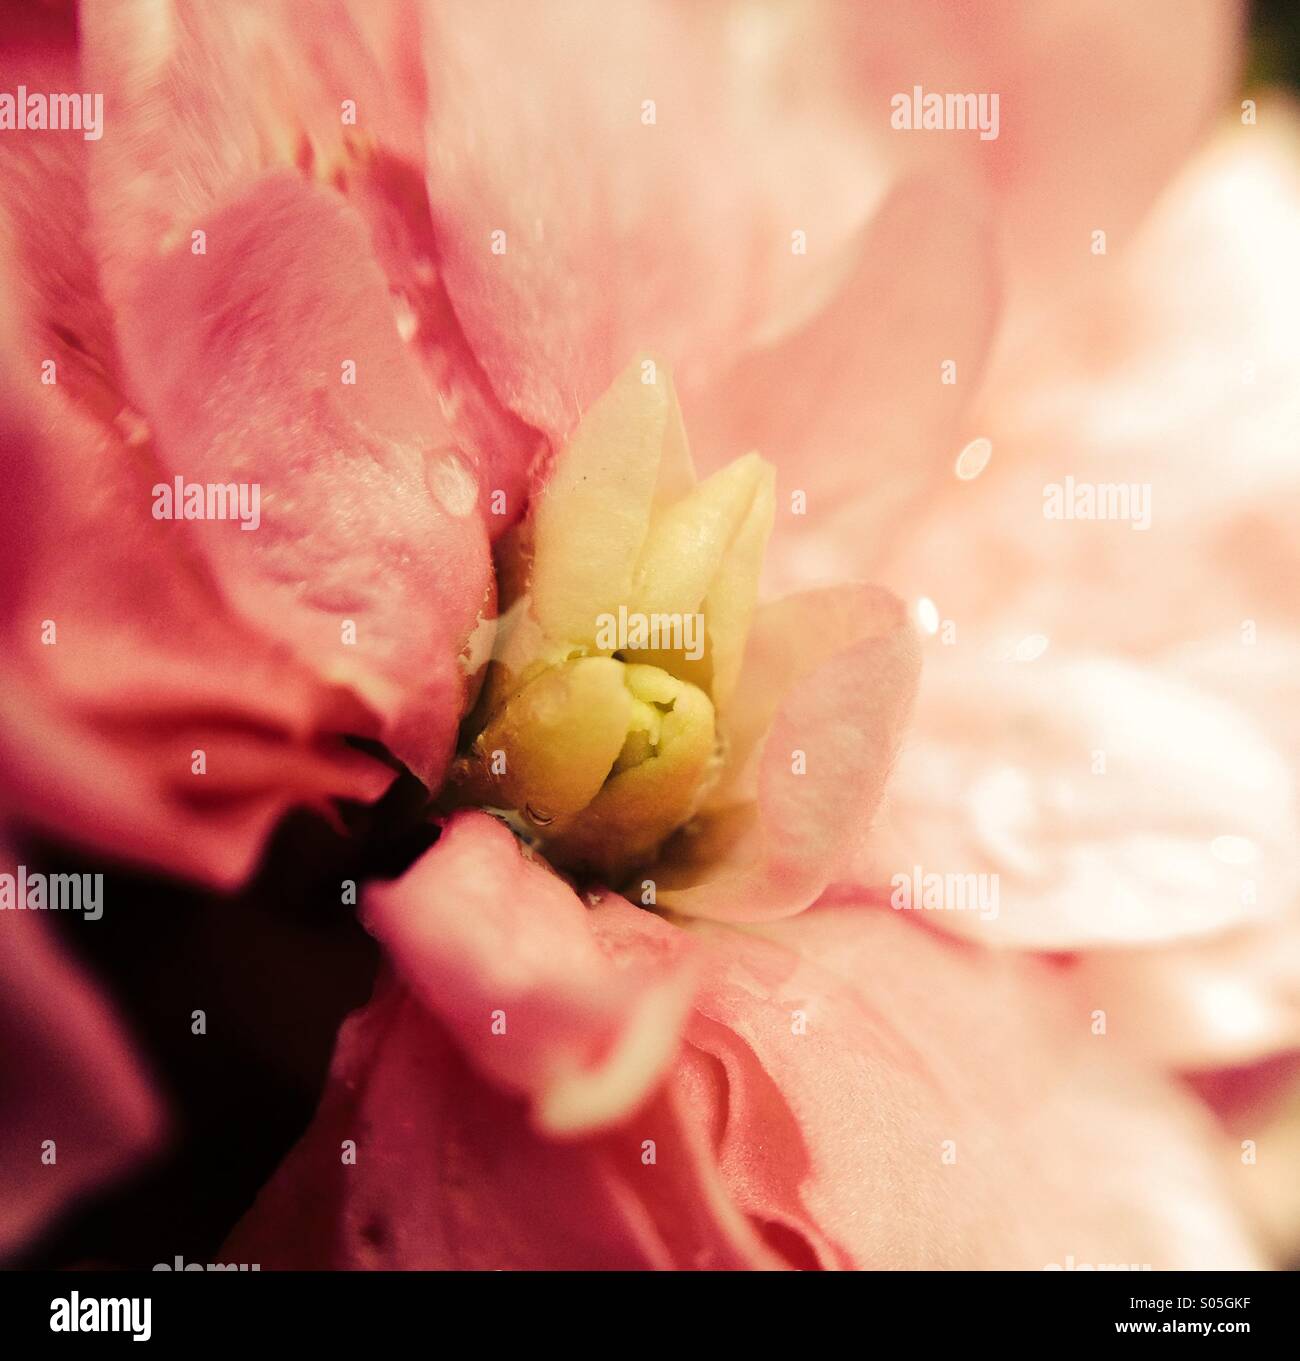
[[895, 1100], [106, 712], [853, 1091], [121, 663], [860, 407], [450, 1172], [336, 95], [371, 557], [647, 178], [500, 950], [824, 691]]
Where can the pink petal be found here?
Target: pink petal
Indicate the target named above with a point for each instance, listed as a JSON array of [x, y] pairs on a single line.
[[859, 1049], [335, 94], [450, 1172], [143, 665], [1177, 370], [1263, 1147], [370, 515], [852, 407], [1098, 105], [1223, 1002], [105, 785], [500, 949], [1106, 803], [622, 235], [825, 689], [281, 75], [829, 1064], [577, 284]]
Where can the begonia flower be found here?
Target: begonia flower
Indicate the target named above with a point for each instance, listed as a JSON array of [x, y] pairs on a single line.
[[469, 293]]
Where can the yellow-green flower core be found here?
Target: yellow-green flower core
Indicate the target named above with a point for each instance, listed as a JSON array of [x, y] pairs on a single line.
[[626, 600]]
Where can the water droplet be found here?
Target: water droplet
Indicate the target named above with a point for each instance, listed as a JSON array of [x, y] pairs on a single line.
[[537, 817], [1234, 850], [1030, 648], [974, 458], [927, 615]]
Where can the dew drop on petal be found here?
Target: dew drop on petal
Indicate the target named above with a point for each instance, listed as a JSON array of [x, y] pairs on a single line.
[[974, 458], [1234, 850], [927, 615], [1030, 648]]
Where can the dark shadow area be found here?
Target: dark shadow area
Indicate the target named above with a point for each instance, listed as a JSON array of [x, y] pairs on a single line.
[[275, 968]]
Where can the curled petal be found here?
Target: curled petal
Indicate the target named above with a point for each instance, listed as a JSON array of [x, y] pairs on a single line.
[[853, 1091], [122, 660], [450, 1172], [895, 1100], [703, 148], [826, 686], [107, 707], [334, 94], [860, 406], [371, 558], [283, 75], [500, 950]]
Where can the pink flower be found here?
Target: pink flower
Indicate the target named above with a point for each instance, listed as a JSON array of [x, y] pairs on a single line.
[[393, 282], [1137, 781], [850, 1090]]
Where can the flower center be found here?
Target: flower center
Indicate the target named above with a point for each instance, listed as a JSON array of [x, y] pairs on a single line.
[[602, 758], [627, 596]]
